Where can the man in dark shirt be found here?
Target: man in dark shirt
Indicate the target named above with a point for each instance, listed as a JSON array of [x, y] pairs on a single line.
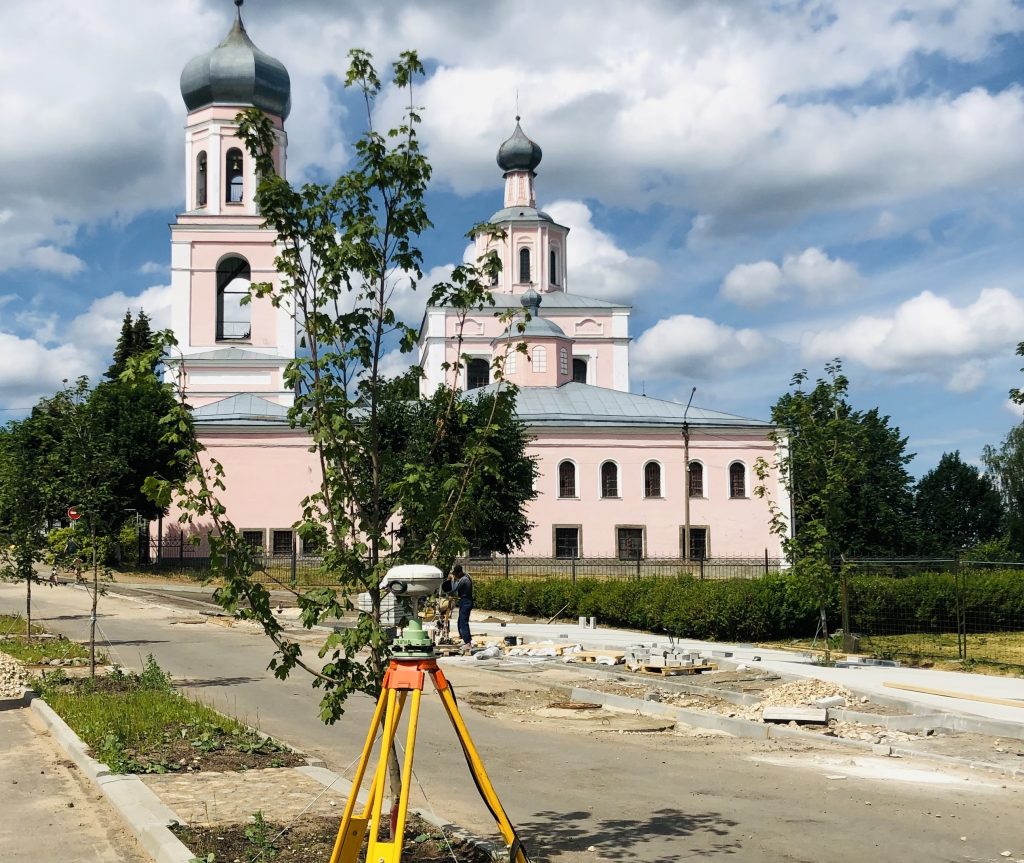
[[459, 583]]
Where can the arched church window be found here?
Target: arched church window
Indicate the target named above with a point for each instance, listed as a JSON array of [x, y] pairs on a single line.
[[609, 479], [235, 180], [540, 359], [652, 479], [579, 370], [553, 265], [478, 374], [567, 479], [201, 176], [234, 319], [510, 363], [524, 266], [696, 479], [563, 361], [737, 480]]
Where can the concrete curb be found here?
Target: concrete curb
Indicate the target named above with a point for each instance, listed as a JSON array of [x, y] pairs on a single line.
[[762, 731], [142, 811], [16, 701], [329, 778]]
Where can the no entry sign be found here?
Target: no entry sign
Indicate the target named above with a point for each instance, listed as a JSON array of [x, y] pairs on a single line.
[[74, 514]]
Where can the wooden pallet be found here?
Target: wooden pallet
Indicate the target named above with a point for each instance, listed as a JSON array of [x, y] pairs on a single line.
[[661, 671], [594, 655]]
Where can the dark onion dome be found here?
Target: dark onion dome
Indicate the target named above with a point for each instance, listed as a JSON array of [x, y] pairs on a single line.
[[519, 153], [536, 326], [236, 72]]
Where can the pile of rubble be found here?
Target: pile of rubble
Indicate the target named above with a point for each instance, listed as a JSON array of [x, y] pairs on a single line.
[[12, 677]]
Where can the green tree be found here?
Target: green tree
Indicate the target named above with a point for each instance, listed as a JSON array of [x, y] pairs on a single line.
[[344, 246], [846, 471], [957, 507], [1005, 467], [23, 508]]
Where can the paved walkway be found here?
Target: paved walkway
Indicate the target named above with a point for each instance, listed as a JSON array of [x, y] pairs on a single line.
[[867, 680], [51, 812]]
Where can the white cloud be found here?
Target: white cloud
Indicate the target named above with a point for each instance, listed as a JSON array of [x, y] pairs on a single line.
[[151, 267], [812, 272], [1016, 409], [34, 365], [692, 347], [929, 334], [598, 267]]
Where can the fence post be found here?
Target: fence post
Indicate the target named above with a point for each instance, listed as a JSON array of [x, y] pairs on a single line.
[[181, 545], [766, 560], [574, 569], [638, 553], [959, 589], [506, 565], [844, 594], [702, 567], [160, 539], [295, 561]]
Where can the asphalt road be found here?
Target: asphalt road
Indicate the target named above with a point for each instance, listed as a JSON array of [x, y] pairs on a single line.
[[653, 798]]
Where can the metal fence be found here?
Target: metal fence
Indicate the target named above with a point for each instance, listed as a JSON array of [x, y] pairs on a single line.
[[938, 610], [616, 568], [294, 568]]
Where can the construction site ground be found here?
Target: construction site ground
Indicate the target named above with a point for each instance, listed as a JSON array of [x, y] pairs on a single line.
[[594, 783]]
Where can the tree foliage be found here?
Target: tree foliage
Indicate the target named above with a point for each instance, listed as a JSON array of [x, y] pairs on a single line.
[[957, 507], [136, 338], [344, 247], [846, 473], [1004, 465]]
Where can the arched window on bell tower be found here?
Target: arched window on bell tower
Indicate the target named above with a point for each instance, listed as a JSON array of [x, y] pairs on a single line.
[[553, 266], [235, 185], [201, 176], [524, 266], [234, 319]]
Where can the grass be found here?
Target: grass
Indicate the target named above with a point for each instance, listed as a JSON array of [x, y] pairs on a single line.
[[999, 652], [42, 650], [137, 723]]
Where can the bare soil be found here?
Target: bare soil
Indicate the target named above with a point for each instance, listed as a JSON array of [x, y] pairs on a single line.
[[313, 839]]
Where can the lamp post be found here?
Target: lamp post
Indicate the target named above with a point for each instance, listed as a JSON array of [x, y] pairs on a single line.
[[686, 479]]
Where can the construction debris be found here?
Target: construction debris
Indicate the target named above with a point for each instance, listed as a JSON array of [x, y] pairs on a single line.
[[12, 677], [657, 659]]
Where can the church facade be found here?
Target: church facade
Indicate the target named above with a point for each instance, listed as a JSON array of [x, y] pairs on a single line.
[[613, 479]]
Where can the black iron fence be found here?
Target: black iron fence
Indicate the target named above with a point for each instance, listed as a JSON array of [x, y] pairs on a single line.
[[939, 610], [617, 568], [292, 567]]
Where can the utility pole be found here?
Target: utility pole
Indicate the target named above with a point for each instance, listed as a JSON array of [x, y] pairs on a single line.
[[686, 480]]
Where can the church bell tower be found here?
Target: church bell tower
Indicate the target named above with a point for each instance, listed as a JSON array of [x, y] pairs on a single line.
[[219, 246]]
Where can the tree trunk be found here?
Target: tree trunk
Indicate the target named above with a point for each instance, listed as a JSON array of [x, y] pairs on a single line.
[[28, 608], [95, 601]]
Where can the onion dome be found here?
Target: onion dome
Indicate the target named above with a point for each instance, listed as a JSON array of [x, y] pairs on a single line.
[[536, 326], [236, 72], [519, 153]]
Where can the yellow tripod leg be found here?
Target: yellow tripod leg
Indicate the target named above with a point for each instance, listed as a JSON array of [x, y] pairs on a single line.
[[352, 829], [476, 768], [390, 851]]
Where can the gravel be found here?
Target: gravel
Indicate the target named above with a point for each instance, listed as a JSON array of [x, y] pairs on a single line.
[[12, 677]]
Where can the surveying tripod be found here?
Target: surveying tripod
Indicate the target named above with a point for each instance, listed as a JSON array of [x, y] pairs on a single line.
[[412, 662]]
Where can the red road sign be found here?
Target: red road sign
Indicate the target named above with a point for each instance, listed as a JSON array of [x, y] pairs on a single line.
[[74, 514]]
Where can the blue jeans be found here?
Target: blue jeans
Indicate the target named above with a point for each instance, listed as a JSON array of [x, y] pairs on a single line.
[[464, 609]]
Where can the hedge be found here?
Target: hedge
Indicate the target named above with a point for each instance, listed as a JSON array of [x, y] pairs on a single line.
[[776, 606]]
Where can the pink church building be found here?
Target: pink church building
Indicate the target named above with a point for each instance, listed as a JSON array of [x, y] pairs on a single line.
[[612, 464]]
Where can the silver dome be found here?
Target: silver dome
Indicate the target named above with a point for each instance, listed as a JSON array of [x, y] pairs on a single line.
[[519, 153], [236, 72]]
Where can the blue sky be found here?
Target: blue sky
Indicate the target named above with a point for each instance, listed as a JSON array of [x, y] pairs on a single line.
[[770, 185]]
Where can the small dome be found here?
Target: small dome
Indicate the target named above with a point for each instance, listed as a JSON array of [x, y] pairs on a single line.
[[536, 326], [236, 72], [519, 153]]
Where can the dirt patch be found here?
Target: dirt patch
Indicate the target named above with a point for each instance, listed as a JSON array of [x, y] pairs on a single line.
[[313, 839]]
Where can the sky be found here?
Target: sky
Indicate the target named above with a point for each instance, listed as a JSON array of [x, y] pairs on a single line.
[[770, 185]]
